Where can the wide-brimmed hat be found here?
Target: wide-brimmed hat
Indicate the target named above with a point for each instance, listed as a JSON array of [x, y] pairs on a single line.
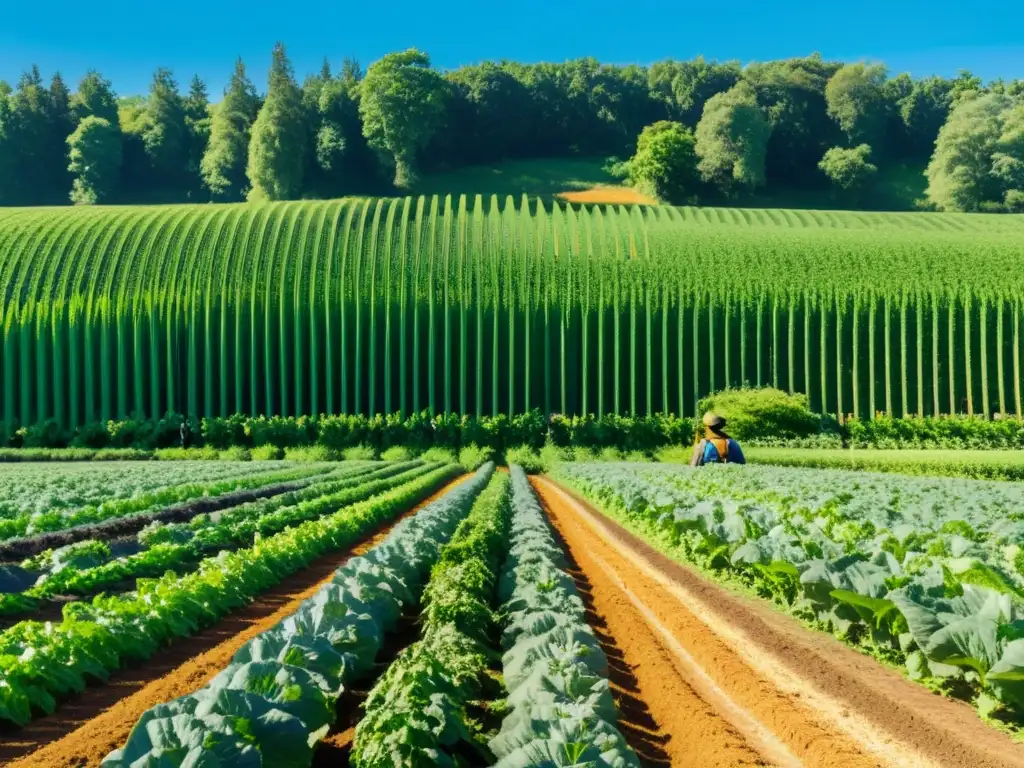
[[713, 420]]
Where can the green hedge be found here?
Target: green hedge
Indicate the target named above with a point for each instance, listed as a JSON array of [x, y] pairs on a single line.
[[756, 417]]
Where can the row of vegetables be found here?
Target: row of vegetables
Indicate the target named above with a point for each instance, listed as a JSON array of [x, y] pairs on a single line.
[[35, 503], [89, 566], [482, 571], [925, 572], [41, 662]]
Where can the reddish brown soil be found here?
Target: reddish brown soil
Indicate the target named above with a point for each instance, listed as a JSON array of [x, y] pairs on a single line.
[[913, 726], [84, 730], [662, 717]]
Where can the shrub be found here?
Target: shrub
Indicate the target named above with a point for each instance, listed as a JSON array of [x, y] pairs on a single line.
[[93, 435], [45, 434], [359, 453], [525, 457], [397, 453], [473, 456], [223, 433], [267, 453], [236, 453], [311, 453], [440, 454], [186, 454], [765, 412]]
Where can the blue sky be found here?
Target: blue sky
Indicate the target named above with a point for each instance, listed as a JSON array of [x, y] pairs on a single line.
[[127, 39]]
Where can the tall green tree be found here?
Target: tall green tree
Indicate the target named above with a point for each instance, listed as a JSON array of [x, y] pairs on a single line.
[[95, 153], [278, 144], [95, 97], [665, 163], [792, 94], [165, 133], [31, 138], [197, 125], [856, 100], [732, 140], [61, 122], [402, 105], [223, 164], [7, 170], [960, 174]]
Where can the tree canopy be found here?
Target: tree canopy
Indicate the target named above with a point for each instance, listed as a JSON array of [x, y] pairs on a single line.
[[761, 129], [402, 106], [278, 136], [665, 163], [732, 139]]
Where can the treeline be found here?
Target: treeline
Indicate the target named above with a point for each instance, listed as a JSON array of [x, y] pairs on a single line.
[[693, 128]]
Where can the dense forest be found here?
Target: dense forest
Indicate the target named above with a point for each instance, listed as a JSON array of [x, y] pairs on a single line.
[[688, 131]]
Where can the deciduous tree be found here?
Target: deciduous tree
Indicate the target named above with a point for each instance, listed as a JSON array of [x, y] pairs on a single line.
[[95, 153], [848, 168], [732, 139], [665, 163], [402, 105]]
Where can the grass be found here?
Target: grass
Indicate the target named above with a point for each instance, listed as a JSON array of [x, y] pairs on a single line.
[[584, 180], [575, 180], [985, 465]]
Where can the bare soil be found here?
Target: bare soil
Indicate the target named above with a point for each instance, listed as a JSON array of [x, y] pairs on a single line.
[[87, 728], [760, 685]]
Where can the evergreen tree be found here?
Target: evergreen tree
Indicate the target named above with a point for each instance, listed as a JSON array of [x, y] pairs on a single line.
[[226, 155], [165, 134], [30, 138], [96, 97], [198, 123], [278, 143], [61, 123], [7, 177]]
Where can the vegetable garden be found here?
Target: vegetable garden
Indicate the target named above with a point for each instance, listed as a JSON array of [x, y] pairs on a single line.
[[351, 579], [480, 306]]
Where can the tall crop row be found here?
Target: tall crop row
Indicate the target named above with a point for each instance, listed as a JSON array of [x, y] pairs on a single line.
[[482, 305]]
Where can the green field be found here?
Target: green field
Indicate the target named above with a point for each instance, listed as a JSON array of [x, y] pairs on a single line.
[[489, 305], [549, 178], [988, 465]]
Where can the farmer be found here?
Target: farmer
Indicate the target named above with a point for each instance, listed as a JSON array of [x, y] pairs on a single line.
[[183, 432], [717, 447]]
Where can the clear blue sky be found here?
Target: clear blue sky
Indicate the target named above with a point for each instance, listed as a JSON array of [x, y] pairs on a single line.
[[127, 39]]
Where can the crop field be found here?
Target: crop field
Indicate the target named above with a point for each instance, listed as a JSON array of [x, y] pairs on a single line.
[[407, 613], [474, 305]]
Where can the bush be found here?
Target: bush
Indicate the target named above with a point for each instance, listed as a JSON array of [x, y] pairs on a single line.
[[45, 434], [473, 456], [267, 453], [223, 433], [235, 453], [359, 453], [311, 453], [754, 413], [282, 431], [397, 453], [92, 435], [440, 454], [186, 454], [527, 458]]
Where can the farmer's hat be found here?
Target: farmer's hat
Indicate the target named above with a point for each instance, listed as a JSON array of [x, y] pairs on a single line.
[[713, 421]]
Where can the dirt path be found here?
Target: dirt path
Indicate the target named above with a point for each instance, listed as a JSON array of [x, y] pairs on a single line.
[[85, 729], [790, 695]]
